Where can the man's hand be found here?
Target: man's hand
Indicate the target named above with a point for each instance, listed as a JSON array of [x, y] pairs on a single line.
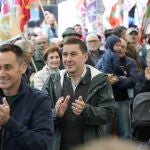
[[113, 79], [78, 106], [4, 112], [147, 73], [61, 106]]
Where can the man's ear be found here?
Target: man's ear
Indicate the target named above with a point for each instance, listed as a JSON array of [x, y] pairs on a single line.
[[86, 56], [23, 67]]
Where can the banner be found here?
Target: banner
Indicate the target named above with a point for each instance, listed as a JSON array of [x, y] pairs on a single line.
[[24, 12], [8, 29], [4, 7]]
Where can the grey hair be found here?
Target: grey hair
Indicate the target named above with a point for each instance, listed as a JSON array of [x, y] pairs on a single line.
[[92, 34], [25, 45]]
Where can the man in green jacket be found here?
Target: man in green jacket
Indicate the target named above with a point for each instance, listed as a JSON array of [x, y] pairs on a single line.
[[82, 98]]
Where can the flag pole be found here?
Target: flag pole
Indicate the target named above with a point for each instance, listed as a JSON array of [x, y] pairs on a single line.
[[41, 6], [99, 12]]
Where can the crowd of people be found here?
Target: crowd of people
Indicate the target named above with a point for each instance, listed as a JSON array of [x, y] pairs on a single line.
[[59, 94]]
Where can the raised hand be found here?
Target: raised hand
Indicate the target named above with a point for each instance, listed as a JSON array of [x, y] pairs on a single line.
[[4, 112]]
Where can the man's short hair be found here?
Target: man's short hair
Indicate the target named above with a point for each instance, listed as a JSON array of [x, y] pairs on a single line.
[[15, 49], [79, 42]]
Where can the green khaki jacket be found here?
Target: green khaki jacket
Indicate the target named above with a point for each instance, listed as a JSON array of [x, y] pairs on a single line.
[[99, 105]]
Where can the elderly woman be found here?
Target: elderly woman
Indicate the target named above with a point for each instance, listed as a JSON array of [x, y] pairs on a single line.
[[52, 57]]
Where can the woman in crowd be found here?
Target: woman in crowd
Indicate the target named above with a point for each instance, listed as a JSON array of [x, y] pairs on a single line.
[[132, 53], [49, 25], [52, 57]]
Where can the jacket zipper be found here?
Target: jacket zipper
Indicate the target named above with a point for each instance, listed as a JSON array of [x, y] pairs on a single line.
[[2, 140]]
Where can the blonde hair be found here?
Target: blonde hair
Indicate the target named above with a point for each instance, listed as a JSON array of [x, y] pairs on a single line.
[[47, 14]]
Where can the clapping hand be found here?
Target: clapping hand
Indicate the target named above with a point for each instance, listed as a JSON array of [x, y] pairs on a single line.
[[61, 106], [78, 106], [4, 112]]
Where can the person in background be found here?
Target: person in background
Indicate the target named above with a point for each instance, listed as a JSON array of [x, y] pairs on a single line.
[[32, 36], [28, 50], [120, 31], [132, 38], [93, 44], [52, 57], [70, 33], [110, 60], [146, 41], [78, 29], [81, 96], [41, 44], [108, 32], [57, 42], [145, 46], [132, 53], [122, 86], [25, 113], [49, 25], [145, 87], [38, 31]]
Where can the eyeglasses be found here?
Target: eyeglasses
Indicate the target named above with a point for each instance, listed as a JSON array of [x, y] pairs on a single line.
[[92, 41], [40, 43]]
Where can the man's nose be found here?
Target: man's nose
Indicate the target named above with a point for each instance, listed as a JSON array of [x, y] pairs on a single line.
[[68, 57], [2, 71]]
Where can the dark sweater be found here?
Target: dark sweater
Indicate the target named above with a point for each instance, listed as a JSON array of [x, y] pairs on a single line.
[[71, 124]]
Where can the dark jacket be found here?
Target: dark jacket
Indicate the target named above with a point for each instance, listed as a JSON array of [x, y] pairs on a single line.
[[145, 87], [126, 82], [99, 108], [94, 59], [30, 126], [110, 63], [110, 59]]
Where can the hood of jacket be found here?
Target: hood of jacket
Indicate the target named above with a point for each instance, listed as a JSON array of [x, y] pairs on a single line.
[[111, 41], [97, 77]]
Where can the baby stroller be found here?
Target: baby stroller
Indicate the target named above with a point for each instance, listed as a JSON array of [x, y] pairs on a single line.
[[141, 117]]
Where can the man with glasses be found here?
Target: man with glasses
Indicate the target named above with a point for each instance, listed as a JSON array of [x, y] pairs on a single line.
[[93, 44], [41, 44]]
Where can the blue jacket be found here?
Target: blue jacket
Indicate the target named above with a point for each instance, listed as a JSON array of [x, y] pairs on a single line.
[[110, 60], [110, 63], [127, 81], [30, 126]]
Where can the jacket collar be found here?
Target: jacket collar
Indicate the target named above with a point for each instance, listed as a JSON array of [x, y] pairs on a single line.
[[22, 88], [94, 73]]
